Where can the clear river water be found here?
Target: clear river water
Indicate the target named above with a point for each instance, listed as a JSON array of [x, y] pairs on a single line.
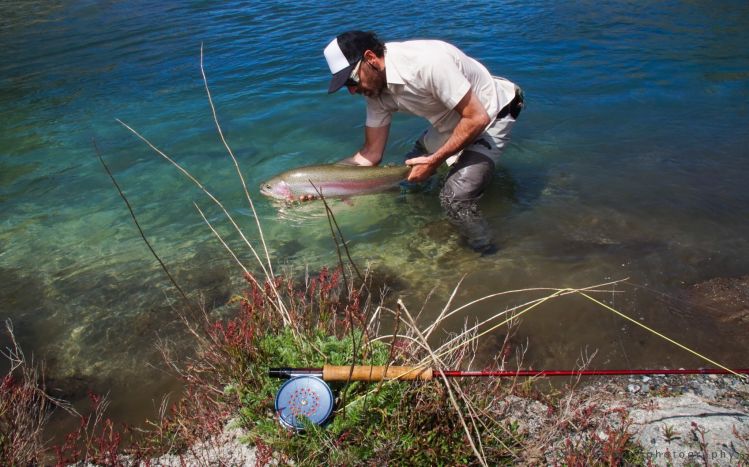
[[630, 161]]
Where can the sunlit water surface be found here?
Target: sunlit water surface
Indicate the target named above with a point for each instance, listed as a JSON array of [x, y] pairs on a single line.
[[630, 161]]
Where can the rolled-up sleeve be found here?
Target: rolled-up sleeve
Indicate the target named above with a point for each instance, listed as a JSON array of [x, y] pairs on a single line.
[[379, 113]]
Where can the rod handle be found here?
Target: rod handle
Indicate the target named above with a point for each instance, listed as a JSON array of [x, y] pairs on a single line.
[[375, 373]]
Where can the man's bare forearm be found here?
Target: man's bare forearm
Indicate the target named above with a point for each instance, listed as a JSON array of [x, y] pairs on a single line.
[[370, 154], [465, 132], [473, 121]]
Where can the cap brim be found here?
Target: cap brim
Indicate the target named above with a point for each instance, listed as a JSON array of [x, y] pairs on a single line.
[[339, 79]]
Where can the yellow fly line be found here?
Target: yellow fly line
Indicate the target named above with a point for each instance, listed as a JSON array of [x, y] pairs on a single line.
[[605, 306], [693, 352]]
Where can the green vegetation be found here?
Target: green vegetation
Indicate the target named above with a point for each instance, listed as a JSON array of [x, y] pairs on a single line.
[[391, 422]]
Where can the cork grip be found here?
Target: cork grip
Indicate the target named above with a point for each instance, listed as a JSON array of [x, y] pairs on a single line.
[[375, 373]]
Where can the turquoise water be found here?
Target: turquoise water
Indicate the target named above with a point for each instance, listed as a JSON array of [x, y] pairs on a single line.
[[630, 161]]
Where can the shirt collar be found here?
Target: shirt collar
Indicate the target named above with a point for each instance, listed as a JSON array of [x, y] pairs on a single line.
[[392, 75]]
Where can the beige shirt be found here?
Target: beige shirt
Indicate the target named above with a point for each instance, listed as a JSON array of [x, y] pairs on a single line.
[[428, 78]]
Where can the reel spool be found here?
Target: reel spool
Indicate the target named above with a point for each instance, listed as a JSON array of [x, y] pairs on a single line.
[[304, 397]]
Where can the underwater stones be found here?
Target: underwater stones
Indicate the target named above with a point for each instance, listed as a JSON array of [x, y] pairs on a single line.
[[11, 173], [149, 321], [289, 248], [382, 278], [212, 281], [434, 240], [726, 299], [70, 387], [20, 292]]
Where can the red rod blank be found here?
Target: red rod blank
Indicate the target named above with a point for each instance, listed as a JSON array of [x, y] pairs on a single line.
[[697, 371]]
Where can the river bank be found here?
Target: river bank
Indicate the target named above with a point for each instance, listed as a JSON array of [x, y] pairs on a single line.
[[670, 420], [227, 405]]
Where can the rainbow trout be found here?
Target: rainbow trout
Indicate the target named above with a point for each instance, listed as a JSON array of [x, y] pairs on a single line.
[[333, 180]]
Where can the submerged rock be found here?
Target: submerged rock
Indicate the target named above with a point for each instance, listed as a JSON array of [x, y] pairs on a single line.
[[726, 299]]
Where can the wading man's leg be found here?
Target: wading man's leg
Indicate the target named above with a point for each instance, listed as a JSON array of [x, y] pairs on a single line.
[[464, 185], [471, 174]]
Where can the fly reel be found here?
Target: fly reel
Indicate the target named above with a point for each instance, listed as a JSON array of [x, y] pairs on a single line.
[[304, 398]]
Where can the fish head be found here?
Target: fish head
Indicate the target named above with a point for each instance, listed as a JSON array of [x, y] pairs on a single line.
[[276, 188]]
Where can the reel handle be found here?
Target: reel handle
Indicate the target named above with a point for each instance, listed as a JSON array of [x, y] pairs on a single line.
[[375, 373]]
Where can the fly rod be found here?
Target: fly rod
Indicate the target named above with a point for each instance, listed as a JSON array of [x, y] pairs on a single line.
[[379, 373], [306, 397]]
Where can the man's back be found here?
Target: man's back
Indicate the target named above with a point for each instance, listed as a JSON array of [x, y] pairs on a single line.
[[428, 78]]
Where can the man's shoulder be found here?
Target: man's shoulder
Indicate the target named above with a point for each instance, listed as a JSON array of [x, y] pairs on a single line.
[[412, 56], [418, 45]]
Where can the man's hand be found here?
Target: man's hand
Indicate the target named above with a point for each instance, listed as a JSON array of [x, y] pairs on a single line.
[[422, 168], [374, 146], [473, 120]]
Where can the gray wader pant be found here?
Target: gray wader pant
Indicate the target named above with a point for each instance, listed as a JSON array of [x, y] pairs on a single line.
[[471, 172]]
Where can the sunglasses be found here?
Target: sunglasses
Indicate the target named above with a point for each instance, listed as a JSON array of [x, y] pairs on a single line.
[[353, 80]]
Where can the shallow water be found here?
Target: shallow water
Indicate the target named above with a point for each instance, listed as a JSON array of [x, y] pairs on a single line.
[[629, 161]]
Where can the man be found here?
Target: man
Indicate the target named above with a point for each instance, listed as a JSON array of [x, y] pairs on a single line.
[[470, 112]]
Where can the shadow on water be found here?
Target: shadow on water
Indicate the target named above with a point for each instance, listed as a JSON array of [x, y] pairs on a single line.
[[96, 331], [22, 297]]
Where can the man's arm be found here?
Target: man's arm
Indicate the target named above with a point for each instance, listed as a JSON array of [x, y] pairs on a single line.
[[473, 121], [371, 153]]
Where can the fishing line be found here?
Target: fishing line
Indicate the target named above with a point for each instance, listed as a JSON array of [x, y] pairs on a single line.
[[682, 346]]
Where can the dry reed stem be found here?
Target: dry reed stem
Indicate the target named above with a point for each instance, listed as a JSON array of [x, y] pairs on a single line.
[[426, 300], [438, 362], [593, 288], [424, 363], [270, 276], [331, 222], [530, 305], [236, 164], [441, 316], [475, 413], [220, 239], [493, 328], [280, 307], [23, 408], [190, 177], [582, 364], [137, 225], [16, 357], [456, 362]]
